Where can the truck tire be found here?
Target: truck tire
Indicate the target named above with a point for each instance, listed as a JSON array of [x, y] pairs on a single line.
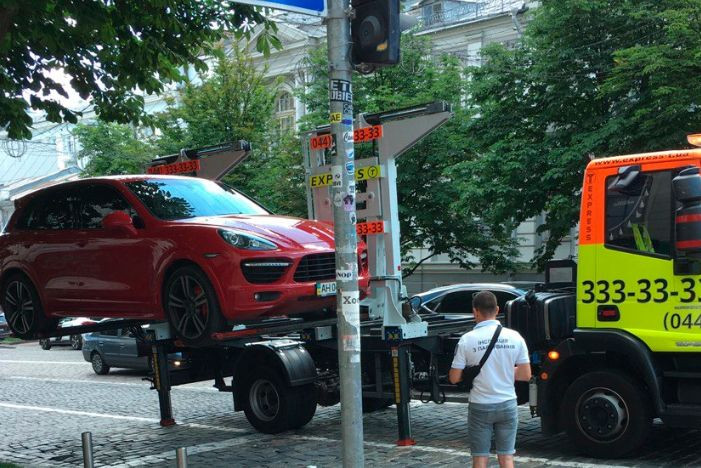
[[606, 414], [271, 406], [305, 406]]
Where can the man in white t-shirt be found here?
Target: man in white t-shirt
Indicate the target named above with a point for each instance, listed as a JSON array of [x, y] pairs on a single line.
[[493, 407]]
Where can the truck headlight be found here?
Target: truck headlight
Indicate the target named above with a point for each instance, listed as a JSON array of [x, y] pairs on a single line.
[[246, 241]]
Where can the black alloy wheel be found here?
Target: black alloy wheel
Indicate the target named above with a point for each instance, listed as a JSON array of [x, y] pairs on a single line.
[[76, 342], [22, 307], [191, 305]]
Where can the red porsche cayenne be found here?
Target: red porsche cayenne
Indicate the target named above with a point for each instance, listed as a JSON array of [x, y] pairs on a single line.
[[188, 250]]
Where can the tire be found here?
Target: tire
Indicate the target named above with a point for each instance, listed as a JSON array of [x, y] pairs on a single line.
[[23, 309], [98, 364], [606, 414], [271, 406], [45, 344], [305, 405], [370, 405], [76, 342], [191, 306]]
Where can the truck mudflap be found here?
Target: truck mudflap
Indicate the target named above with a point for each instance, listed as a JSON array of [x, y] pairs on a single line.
[[288, 358]]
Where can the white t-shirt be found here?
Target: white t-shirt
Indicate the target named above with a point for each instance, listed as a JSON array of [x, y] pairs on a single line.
[[495, 382]]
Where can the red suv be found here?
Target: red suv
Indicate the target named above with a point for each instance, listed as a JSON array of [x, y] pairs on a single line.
[[188, 250]]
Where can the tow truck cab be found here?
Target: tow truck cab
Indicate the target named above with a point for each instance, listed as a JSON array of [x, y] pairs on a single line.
[[635, 351]]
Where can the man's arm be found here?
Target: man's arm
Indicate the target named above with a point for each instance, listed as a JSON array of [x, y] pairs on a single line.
[[522, 372], [455, 375]]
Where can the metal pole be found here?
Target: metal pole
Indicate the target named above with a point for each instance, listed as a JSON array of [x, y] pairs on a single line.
[[181, 457], [86, 438], [343, 194]]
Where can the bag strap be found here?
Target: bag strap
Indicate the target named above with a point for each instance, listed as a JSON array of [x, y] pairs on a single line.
[[490, 347]]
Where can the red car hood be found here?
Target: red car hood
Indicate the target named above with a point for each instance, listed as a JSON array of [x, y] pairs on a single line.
[[285, 231]]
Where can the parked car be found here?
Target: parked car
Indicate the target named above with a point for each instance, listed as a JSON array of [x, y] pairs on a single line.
[[457, 298], [4, 328], [118, 348], [75, 341], [188, 250]]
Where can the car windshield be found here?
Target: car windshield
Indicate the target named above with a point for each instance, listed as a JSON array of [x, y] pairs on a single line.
[[171, 199]]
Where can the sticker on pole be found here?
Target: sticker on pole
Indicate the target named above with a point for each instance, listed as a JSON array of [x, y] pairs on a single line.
[[336, 176], [320, 180], [340, 90], [368, 172]]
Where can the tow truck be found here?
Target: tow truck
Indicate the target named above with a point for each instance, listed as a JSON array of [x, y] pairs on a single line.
[[616, 338], [278, 370]]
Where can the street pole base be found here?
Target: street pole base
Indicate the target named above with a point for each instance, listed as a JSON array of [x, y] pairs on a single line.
[[406, 442], [167, 422]]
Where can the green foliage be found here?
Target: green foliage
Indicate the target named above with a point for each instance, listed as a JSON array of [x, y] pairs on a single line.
[[236, 103], [110, 49], [592, 78], [112, 149], [426, 189]]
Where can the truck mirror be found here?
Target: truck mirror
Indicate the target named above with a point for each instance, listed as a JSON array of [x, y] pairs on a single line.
[[627, 176], [687, 223]]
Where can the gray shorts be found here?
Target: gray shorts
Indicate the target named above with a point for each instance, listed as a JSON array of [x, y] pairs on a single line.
[[500, 419]]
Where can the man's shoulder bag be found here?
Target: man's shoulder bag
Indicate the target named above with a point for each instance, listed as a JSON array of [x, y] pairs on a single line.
[[470, 372]]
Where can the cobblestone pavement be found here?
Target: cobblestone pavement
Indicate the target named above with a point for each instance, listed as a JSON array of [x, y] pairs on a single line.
[[47, 398]]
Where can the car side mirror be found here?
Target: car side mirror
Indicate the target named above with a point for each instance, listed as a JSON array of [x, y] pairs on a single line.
[[119, 221]]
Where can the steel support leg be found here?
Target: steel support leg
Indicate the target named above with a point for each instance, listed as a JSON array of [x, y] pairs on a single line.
[[402, 393], [161, 380]]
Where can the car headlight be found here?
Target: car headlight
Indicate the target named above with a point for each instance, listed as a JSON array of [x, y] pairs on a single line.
[[246, 241]]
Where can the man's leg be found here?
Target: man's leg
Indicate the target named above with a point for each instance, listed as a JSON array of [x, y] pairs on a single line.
[[505, 428], [479, 432]]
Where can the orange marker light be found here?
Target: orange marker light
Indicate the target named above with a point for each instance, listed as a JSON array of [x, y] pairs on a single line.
[[553, 355], [543, 376], [694, 139]]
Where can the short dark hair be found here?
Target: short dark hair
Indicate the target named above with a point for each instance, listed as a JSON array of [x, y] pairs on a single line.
[[485, 302]]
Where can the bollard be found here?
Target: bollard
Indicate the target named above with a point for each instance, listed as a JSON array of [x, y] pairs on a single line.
[[181, 457], [87, 450]]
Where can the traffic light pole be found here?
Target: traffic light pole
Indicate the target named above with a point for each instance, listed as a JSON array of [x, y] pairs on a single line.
[[344, 215]]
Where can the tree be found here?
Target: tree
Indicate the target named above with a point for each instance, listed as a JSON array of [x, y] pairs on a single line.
[[112, 149], [591, 78], [426, 189], [236, 103], [114, 52]]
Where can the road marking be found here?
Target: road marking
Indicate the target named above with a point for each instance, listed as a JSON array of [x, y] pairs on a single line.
[[12, 361], [99, 382], [46, 409]]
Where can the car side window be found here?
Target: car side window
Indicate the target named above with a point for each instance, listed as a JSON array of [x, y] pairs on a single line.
[[502, 299], [97, 202], [51, 210], [109, 332], [459, 302]]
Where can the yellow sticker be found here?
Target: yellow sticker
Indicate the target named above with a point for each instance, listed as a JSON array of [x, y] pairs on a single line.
[[368, 172], [320, 180], [335, 117], [362, 173]]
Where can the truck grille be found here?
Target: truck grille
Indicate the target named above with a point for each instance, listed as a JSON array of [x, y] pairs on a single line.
[[316, 267], [264, 271]]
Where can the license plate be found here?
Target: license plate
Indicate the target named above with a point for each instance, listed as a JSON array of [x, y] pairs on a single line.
[[326, 289]]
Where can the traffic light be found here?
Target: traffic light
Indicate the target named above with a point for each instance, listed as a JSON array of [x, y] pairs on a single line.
[[375, 31]]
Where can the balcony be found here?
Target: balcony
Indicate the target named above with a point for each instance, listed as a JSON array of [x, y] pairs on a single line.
[[441, 13]]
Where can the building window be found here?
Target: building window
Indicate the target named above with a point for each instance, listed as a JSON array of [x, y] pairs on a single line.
[[285, 102], [285, 112]]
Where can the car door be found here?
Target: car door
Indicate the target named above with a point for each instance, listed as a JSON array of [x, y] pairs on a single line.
[[128, 352], [117, 267], [49, 237], [108, 344]]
